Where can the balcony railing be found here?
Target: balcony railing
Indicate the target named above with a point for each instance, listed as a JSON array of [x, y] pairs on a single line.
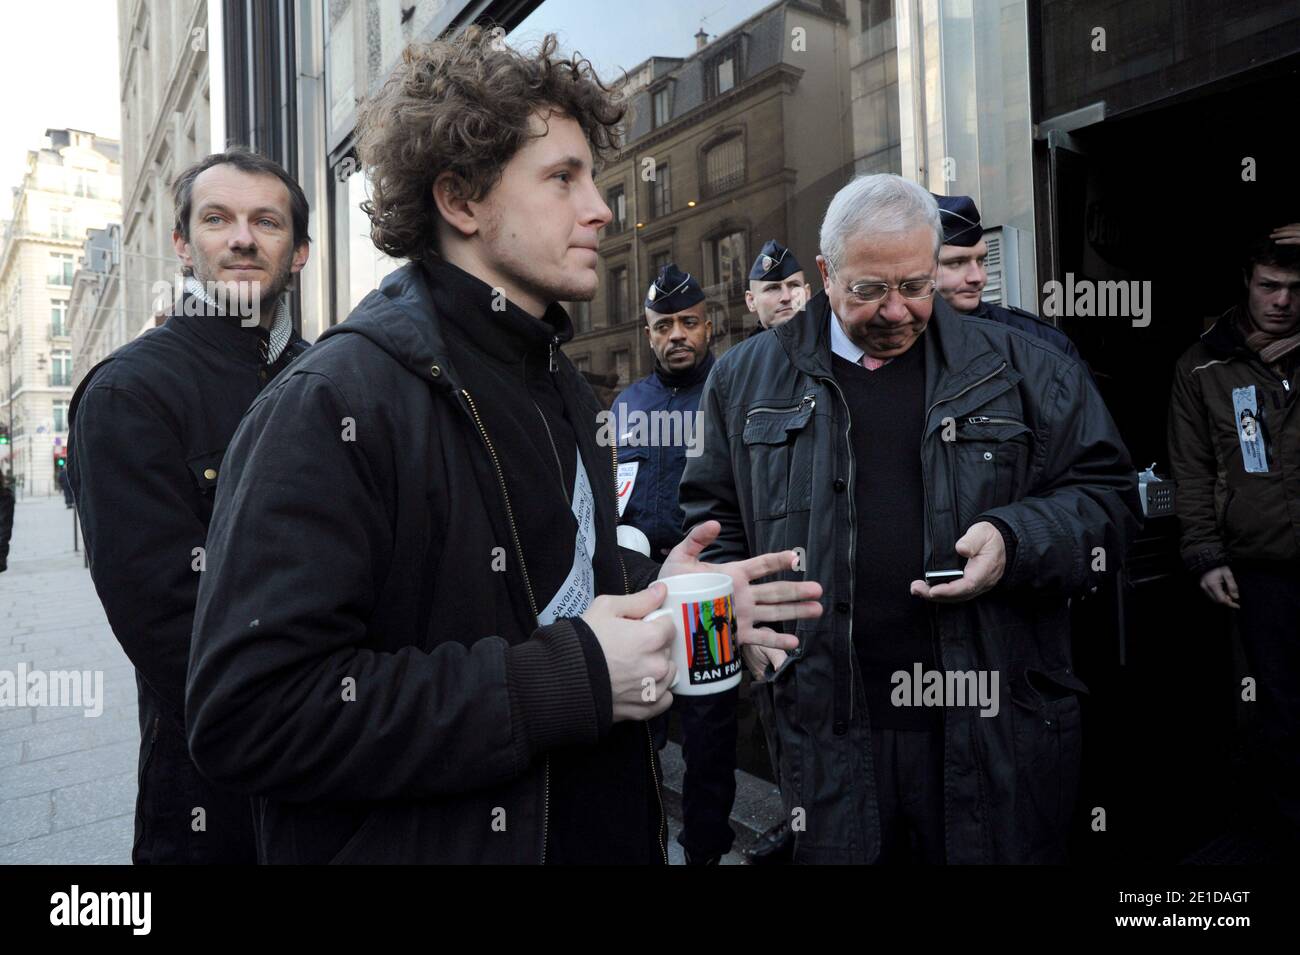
[[60, 379]]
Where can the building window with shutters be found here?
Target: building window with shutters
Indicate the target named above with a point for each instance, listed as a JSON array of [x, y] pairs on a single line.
[[724, 165], [722, 73], [60, 416], [616, 199], [580, 312], [661, 191], [658, 260], [618, 301], [662, 105], [621, 366]]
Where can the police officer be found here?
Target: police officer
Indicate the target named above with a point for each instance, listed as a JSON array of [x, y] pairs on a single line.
[[962, 273], [777, 287], [657, 420]]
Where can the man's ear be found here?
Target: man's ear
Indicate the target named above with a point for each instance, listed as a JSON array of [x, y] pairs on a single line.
[[182, 248], [300, 257], [821, 269], [749, 301], [456, 210]]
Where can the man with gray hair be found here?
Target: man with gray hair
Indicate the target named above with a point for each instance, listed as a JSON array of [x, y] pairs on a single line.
[[950, 484]]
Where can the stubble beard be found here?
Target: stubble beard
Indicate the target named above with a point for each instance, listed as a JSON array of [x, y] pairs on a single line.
[[233, 296]]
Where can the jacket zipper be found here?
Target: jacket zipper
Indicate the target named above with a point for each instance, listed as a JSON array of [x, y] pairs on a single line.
[[985, 419], [925, 494], [853, 522], [532, 602], [549, 436], [650, 740], [809, 400]]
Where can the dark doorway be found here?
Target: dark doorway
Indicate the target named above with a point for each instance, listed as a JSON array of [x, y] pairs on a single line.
[[1166, 196]]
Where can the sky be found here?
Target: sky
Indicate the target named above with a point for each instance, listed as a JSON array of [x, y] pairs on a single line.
[[617, 35], [58, 68]]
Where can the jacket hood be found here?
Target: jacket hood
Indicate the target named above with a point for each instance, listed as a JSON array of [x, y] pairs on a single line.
[[403, 318], [398, 317]]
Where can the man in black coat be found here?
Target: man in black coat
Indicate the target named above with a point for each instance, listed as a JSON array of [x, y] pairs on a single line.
[[417, 639], [149, 429]]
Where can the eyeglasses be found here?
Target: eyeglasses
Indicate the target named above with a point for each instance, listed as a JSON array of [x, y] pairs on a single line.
[[870, 292]]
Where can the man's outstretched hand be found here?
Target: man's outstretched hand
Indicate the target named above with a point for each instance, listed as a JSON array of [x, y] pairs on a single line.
[[755, 604]]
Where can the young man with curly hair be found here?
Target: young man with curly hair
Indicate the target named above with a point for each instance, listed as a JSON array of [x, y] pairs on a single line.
[[417, 639]]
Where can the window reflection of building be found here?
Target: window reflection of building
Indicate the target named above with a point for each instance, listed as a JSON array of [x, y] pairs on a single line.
[[746, 140]]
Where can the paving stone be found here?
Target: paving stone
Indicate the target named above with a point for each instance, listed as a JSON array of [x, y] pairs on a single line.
[[24, 818], [92, 801]]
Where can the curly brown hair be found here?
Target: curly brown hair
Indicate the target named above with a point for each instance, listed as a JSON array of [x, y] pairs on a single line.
[[463, 105]]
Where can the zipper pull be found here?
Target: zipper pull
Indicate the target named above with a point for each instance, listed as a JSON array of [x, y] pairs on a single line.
[[555, 340]]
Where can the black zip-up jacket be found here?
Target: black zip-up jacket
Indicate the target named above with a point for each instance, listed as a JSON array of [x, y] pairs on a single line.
[[148, 428], [366, 656], [1031, 449]]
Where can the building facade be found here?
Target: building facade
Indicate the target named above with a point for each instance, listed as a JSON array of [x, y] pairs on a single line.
[[166, 126], [95, 303], [72, 184]]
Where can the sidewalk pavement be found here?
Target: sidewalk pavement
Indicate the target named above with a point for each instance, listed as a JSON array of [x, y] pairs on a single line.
[[67, 780]]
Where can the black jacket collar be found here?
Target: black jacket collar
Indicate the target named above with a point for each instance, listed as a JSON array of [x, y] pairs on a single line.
[[221, 332], [955, 355], [505, 331], [685, 379]]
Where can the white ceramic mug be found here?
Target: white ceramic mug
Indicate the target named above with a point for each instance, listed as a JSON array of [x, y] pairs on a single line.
[[705, 649]]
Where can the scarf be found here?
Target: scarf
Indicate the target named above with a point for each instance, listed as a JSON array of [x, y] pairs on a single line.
[[1270, 348]]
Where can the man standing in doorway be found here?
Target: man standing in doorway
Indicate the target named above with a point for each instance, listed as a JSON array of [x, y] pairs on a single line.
[[1234, 444]]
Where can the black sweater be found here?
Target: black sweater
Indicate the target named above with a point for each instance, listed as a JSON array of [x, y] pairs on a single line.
[[890, 627]]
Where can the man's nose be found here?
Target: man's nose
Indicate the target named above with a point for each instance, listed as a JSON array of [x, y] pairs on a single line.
[[596, 212], [894, 307], [242, 237]]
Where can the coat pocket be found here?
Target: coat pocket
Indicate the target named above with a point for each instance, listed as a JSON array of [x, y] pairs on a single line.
[[991, 461], [779, 446], [205, 469], [1048, 746]]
